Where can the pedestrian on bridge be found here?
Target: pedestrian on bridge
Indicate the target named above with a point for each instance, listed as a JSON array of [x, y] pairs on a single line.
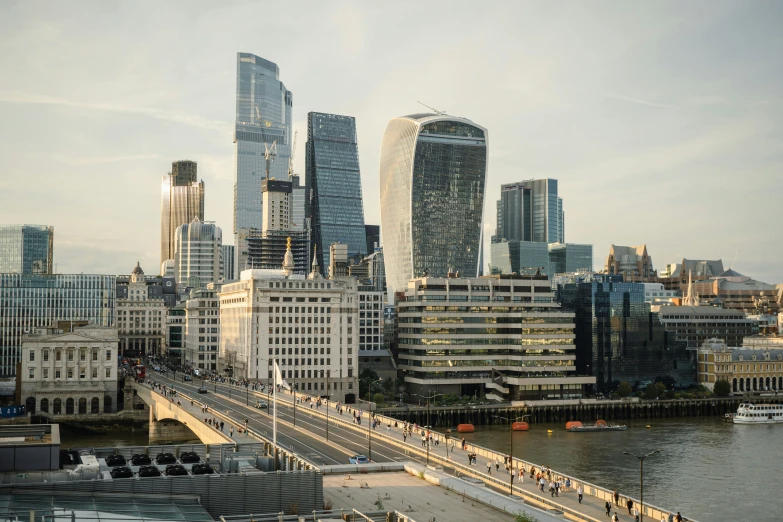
[[489, 467], [579, 493]]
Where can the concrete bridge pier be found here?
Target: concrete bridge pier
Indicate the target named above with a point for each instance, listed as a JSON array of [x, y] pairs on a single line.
[[168, 430]]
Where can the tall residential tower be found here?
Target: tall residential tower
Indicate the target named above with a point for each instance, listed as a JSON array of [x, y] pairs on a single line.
[[433, 169]]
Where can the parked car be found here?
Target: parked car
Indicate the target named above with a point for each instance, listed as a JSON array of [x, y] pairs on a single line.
[[188, 377], [262, 405], [202, 390], [149, 471], [359, 459], [175, 470], [121, 472], [141, 459]]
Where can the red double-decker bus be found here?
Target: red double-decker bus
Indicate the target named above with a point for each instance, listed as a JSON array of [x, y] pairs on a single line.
[[140, 370]]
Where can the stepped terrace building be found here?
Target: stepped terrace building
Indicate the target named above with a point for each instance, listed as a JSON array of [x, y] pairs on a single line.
[[501, 337]]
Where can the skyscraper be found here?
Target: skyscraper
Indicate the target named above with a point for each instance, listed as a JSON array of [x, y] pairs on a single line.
[[530, 211], [433, 169], [197, 254], [334, 184], [262, 141], [182, 199], [227, 265], [26, 249]]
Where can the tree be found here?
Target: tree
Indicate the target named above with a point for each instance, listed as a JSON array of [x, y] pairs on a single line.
[[651, 392], [661, 387], [722, 388], [624, 390]]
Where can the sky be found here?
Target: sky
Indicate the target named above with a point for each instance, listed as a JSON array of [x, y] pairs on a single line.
[[662, 121]]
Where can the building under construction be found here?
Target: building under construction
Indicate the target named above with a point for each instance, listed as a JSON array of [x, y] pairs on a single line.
[[267, 249]]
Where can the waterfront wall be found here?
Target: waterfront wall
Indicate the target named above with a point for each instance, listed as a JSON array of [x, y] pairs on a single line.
[[447, 417]]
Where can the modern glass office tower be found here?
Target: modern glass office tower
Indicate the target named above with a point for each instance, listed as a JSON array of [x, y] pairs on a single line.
[[334, 184], [570, 257], [433, 169], [198, 254], [530, 211], [26, 249], [263, 120], [182, 200], [40, 301]]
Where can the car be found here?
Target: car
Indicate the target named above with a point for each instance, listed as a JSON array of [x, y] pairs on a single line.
[[141, 459], [115, 460], [149, 471], [359, 459], [175, 470], [188, 378], [202, 469], [262, 405], [166, 458], [121, 472], [202, 390]]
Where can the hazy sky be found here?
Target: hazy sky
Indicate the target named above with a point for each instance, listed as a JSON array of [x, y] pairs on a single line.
[[662, 121]]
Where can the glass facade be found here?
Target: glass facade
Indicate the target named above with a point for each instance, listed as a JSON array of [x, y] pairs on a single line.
[[433, 172], [335, 187], [530, 211], [39, 301], [618, 338], [570, 257], [516, 257], [182, 200], [263, 118], [26, 249]]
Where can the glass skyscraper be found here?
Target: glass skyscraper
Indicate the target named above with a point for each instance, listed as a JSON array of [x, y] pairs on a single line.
[[26, 249], [263, 120], [334, 185], [40, 301], [530, 211], [433, 169], [570, 257], [182, 200]]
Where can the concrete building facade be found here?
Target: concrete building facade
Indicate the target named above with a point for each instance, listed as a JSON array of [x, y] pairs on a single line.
[[748, 371], [696, 324], [202, 328], [198, 254], [141, 319]]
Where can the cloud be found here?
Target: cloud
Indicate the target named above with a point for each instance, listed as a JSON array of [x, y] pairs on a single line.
[[99, 160], [637, 101], [152, 112]]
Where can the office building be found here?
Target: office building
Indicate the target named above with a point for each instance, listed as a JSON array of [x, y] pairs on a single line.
[[570, 257], [334, 206], [371, 303], [736, 291], [141, 317], [69, 372], [309, 325], [26, 249], [696, 324], [633, 263], [530, 211], [696, 269], [619, 339], [28, 302], [158, 287], [501, 337], [227, 265], [197, 253], [372, 233], [748, 371], [182, 200], [370, 271], [202, 328], [299, 221], [656, 295], [433, 170], [517, 257], [338, 260], [175, 334], [262, 141]]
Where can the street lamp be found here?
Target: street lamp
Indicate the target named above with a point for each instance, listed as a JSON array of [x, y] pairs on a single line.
[[511, 451], [429, 397], [328, 394], [641, 479]]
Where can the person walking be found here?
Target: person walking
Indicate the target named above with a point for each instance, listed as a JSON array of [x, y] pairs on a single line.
[[678, 518], [608, 507], [489, 467], [615, 518], [464, 444], [616, 498], [629, 503], [522, 475], [541, 483], [579, 493], [497, 464], [636, 515], [231, 433], [404, 436]]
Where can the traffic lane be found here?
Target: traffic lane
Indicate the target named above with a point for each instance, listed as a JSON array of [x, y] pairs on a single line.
[[350, 439], [301, 442]]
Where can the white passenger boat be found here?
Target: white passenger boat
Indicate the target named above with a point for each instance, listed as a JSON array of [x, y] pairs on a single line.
[[749, 413]]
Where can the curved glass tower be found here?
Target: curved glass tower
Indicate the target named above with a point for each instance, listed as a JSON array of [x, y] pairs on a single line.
[[433, 170]]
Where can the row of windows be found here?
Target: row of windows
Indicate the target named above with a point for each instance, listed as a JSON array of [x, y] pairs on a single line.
[[70, 352], [69, 373]]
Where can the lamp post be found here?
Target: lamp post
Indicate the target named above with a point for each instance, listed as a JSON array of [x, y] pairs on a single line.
[[641, 479], [511, 451], [328, 394], [429, 397], [369, 409], [296, 371]]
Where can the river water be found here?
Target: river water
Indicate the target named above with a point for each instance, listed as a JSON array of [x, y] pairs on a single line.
[[709, 470]]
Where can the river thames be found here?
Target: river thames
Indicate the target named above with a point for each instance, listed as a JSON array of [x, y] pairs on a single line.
[[709, 470]]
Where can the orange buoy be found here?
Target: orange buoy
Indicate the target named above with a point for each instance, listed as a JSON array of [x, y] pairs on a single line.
[[600, 422], [573, 424], [520, 426], [465, 428]]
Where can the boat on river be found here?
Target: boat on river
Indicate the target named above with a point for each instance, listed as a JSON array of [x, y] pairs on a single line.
[[749, 413], [578, 427]]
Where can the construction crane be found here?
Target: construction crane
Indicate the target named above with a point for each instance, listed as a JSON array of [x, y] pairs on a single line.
[[270, 153], [436, 111], [291, 159]]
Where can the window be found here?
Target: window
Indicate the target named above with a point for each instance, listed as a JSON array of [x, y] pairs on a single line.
[[46, 373], [82, 373], [108, 355], [57, 373], [70, 373], [32, 356], [32, 373], [108, 373], [70, 355], [46, 355], [57, 355], [82, 355], [94, 355]]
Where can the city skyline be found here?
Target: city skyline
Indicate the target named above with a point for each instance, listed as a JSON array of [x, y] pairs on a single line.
[[670, 139]]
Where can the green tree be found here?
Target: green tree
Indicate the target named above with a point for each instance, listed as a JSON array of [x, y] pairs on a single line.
[[624, 390], [722, 388], [378, 398], [661, 387], [367, 377], [651, 392]]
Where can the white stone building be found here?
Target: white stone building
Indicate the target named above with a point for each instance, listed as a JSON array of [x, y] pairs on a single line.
[[141, 319], [309, 324], [70, 372], [198, 250], [202, 328]]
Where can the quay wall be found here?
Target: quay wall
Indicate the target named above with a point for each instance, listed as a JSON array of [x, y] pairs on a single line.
[[451, 416]]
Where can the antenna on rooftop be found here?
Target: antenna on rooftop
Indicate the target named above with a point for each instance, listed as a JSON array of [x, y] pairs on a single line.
[[436, 111], [735, 260]]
